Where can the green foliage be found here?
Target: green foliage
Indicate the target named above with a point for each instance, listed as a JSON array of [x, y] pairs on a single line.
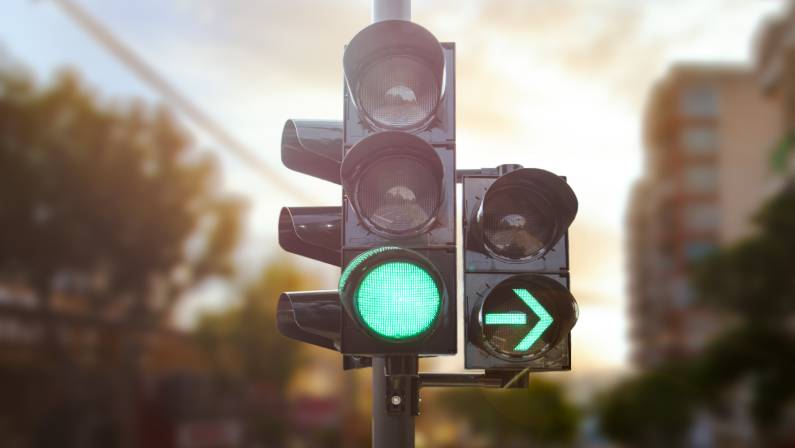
[[113, 198], [764, 356], [109, 207], [540, 414], [754, 279], [652, 409], [242, 342], [243, 346]]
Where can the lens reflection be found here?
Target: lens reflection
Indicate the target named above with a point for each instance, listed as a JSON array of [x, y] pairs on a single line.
[[398, 92], [516, 224], [398, 194]]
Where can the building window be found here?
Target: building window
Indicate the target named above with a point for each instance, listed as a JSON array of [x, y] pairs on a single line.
[[699, 102], [696, 250], [699, 140], [699, 217], [701, 179]]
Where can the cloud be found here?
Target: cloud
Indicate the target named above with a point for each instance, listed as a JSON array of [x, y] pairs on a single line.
[[534, 17], [246, 41], [603, 42], [258, 50], [596, 259]]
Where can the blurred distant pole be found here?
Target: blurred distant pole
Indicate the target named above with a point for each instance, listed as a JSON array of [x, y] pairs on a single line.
[[391, 10], [171, 94]]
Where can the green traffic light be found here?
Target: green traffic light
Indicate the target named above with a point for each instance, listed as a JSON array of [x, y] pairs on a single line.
[[398, 300]]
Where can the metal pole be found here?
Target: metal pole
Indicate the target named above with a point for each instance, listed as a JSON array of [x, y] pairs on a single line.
[[391, 10], [389, 431]]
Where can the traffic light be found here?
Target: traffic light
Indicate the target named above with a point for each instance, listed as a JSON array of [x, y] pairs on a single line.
[[398, 281], [394, 236], [315, 148], [518, 308]]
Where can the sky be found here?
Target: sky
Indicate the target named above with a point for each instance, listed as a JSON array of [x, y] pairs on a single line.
[[558, 85]]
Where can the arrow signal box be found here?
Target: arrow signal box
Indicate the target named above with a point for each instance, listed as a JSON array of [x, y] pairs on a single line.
[[517, 304]]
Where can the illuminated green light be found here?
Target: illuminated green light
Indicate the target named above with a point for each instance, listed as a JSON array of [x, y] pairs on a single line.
[[398, 300], [545, 320], [505, 318]]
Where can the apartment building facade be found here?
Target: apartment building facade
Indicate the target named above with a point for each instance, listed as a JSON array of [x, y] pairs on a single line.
[[708, 132]]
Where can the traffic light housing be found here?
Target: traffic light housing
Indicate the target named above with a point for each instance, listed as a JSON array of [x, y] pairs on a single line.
[[394, 234], [314, 232], [518, 308], [398, 282], [310, 316], [312, 147]]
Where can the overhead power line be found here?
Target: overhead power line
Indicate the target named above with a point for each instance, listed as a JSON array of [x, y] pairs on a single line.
[[176, 98]]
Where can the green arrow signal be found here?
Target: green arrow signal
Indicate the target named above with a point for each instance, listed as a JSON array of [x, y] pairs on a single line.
[[506, 318], [545, 320]]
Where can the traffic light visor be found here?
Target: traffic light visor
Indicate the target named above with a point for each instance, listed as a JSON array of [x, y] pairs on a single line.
[[394, 71], [313, 147], [310, 316], [525, 212], [313, 232]]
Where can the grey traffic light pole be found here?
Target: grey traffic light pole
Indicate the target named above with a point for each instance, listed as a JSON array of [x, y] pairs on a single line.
[[394, 402], [391, 10], [396, 379], [392, 429]]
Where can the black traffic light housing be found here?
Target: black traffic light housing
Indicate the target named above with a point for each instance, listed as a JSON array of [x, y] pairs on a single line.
[[313, 232], [312, 147], [515, 233], [394, 156], [396, 38], [310, 316], [398, 170]]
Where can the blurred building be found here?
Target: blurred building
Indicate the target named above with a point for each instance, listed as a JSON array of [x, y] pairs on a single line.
[[708, 134]]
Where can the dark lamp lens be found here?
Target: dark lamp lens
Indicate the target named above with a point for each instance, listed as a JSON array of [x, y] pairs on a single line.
[[398, 194], [516, 223], [398, 92]]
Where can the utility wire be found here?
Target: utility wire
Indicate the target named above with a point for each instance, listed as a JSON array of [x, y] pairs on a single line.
[[172, 95]]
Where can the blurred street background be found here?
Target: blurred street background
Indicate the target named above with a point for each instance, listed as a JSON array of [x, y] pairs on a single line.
[[140, 185]]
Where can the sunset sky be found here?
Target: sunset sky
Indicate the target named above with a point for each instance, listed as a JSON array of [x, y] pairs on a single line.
[[555, 84]]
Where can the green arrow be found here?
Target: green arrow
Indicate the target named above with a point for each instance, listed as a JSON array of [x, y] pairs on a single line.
[[545, 320], [506, 318]]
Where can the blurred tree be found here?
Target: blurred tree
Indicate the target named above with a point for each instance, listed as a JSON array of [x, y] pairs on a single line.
[[754, 282], [653, 409], [763, 355], [753, 279], [109, 210], [540, 414], [242, 342], [111, 202], [244, 347]]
